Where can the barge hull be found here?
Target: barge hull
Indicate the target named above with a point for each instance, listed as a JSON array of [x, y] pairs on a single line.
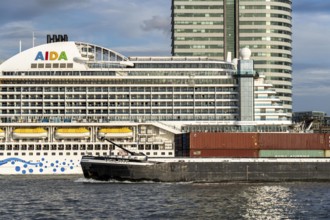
[[210, 171]]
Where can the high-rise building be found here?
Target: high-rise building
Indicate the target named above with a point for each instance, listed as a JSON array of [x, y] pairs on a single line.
[[215, 27]]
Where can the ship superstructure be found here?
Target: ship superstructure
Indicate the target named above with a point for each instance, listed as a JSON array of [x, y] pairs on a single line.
[[59, 99]]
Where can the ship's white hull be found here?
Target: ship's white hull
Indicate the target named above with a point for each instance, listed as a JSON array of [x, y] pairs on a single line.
[[15, 165]]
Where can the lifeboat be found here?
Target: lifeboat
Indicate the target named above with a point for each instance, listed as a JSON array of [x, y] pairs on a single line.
[[72, 133], [115, 132], [2, 133], [29, 133]]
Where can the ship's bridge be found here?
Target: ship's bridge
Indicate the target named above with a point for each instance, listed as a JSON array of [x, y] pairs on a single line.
[[65, 56]]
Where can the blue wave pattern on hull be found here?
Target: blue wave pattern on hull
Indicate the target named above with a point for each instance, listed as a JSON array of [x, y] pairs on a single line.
[[26, 167]]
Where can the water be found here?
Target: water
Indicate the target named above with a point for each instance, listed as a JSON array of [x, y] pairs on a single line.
[[73, 197]]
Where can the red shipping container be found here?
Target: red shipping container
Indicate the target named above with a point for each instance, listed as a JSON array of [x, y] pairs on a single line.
[[231, 153], [291, 141], [218, 140]]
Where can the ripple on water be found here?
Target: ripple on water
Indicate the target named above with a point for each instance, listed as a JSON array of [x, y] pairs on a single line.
[[74, 197]]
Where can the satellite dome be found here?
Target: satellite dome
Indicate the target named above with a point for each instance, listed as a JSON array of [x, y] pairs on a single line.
[[245, 53]]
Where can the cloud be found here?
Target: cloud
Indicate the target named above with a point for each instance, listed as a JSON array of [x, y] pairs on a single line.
[[108, 23], [312, 82], [311, 69], [311, 7], [310, 38], [157, 23], [145, 50]]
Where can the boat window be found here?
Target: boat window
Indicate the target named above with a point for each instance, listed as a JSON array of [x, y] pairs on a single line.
[[97, 147], [155, 153], [9, 147], [82, 147], [170, 153], [23, 154], [82, 153], [148, 153], [60, 153], [16, 154], [97, 153], [104, 147], [38, 147], [75, 153], [8, 154], [75, 147], [24, 147], [38, 154], [53, 154], [148, 147], [141, 147], [104, 154], [68, 153], [16, 147], [53, 147], [45, 153], [31, 153], [155, 147], [46, 147], [31, 147], [90, 147], [1, 154], [61, 147], [2, 147], [67, 147]]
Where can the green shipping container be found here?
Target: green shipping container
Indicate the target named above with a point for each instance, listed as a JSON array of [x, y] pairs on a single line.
[[291, 153]]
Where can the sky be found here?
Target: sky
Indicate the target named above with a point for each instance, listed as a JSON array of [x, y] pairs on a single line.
[[143, 28]]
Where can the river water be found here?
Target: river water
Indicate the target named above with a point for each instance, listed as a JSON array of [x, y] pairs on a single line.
[[73, 197]]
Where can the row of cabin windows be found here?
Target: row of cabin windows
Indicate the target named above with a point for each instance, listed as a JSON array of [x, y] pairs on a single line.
[[73, 147], [69, 154]]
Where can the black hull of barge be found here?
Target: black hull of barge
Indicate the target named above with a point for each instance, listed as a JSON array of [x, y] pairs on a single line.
[[210, 171]]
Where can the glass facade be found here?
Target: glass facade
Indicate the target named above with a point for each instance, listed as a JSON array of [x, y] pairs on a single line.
[[264, 26]]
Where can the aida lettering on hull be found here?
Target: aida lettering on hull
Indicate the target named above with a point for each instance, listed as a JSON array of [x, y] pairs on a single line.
[[51, 55]]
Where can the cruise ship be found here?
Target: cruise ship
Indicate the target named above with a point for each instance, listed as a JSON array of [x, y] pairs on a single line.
[[60, 100]]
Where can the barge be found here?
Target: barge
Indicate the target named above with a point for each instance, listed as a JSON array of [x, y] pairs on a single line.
[[207, 170], [137, 167]]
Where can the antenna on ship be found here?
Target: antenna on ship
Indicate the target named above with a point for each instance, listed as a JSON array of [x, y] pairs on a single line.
[[33, 39], [20, 46]]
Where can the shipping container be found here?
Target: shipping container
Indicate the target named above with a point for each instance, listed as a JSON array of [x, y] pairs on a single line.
[[327, 153], [291, 153], [291, 141], [232, 153], [218, 140], [327, 141]]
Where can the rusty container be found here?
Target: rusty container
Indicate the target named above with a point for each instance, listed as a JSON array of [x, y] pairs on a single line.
[[230, 153], [218, 140], [291, 141]]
